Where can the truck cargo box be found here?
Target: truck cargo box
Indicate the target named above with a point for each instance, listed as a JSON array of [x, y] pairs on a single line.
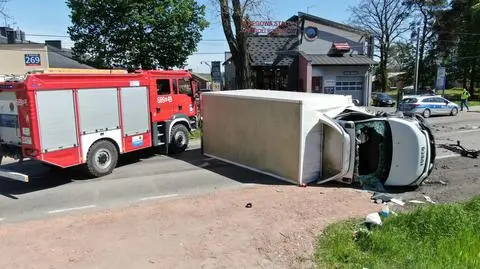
[[288, 135]]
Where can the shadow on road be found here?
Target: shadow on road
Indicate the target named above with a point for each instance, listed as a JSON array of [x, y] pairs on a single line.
[[42, 176], [239, 174]]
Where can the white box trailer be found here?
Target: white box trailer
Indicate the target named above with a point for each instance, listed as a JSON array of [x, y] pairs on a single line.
[[287, 135]]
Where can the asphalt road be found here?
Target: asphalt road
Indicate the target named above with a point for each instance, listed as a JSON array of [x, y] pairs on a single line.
[[150, 176]]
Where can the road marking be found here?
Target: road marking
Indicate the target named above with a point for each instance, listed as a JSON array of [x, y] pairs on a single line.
[[158, 197], [70, 209], [2, 219], [447, 156]]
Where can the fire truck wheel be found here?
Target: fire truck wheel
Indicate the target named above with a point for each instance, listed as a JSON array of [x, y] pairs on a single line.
[[101, 158], [179, 138]]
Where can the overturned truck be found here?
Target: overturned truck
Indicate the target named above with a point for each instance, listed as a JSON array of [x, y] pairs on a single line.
[[308, 138]]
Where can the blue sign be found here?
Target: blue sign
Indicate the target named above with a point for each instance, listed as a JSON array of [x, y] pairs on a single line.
[[32, 60], [440, 83]]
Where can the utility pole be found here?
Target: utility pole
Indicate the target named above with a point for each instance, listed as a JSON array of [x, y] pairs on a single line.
[[417, 59]]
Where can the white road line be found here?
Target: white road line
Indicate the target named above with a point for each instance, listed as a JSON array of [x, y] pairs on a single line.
[[158, 197], [70, 209], [2, 219], [447, 156]]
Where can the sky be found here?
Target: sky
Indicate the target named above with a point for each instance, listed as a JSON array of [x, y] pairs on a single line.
[[41, 21]]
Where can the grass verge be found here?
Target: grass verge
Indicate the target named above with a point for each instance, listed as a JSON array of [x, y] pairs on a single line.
[[439, 236]]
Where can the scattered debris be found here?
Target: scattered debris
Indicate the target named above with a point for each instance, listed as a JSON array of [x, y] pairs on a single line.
[[445, 166], [429, 199], [381, 196], [476, 165], [441, 182], [416, 202], [397, 201], [371, 182], [385, 212], [248, 205], [373, 218], [457, 148]]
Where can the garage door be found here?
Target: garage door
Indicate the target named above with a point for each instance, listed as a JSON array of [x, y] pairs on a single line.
[[350, 85]]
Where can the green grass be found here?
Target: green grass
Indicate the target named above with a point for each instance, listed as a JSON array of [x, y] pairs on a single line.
[[196, 134], [439, 236]]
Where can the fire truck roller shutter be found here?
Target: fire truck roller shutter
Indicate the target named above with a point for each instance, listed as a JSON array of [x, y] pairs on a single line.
[[56, 119], [99, 117], [136, 118]]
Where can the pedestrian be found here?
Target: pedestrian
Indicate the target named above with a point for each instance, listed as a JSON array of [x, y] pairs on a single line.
[[464, 99]]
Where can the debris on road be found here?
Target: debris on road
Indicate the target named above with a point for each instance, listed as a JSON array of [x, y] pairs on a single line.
[[431, 182], [429, 199], [248, 205], [381, 196], [398, 202], [457, 148], [416, 202]]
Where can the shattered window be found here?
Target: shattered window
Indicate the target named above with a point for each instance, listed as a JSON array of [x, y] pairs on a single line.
[[375, 150]]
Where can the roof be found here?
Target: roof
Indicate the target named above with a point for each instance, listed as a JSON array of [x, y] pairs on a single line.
[[58, 59], [272, 51], [198, 76], [329, 23], [323, 59]]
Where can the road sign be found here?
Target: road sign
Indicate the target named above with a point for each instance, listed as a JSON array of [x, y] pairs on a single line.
[[216, 72], [440, 84]]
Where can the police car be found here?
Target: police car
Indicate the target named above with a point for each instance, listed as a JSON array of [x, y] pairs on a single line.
[[427, 105]]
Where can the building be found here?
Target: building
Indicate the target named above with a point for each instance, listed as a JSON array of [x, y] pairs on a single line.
[[20, 56], [319, 56]]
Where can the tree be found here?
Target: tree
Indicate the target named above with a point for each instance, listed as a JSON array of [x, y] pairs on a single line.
[[237, 35], [3, 5], [385, 19], [458, 29], [142, 33], [403, 60], [427, 11]]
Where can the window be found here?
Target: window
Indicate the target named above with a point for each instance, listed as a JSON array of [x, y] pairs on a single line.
[[185, 87], [163, 86], [175, 89], [349, 83]]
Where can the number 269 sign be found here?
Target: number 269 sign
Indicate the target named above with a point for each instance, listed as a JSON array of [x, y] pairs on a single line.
[[32, 60]]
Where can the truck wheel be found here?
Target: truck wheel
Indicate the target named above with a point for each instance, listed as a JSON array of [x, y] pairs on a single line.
[[102, 158], [179, 138]]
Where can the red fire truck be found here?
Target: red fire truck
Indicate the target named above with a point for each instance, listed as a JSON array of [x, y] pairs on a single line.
[[67, 120]]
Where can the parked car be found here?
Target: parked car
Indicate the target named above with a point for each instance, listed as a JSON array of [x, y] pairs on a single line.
[[382, 99], [427, 105]]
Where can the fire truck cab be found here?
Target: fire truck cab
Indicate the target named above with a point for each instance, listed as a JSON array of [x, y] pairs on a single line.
[[67, 120]]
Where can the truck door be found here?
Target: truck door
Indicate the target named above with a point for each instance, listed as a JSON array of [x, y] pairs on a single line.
[[164, 103], [184, 99]]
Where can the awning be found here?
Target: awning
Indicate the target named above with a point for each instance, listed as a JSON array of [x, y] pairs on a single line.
[[341, 46]]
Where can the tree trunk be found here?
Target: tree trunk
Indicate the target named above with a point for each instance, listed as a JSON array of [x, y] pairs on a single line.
[[473, 75]]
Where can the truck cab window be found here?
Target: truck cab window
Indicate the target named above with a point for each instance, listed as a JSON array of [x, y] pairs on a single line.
[[163, 86], [185, 87]]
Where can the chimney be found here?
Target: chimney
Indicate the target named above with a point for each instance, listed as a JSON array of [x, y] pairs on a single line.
[[11, 36]]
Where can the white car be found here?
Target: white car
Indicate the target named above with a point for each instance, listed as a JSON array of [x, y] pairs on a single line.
[[393, 149]]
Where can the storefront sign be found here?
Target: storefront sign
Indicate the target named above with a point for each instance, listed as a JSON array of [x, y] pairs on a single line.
[[350, 73], [32, 60]]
